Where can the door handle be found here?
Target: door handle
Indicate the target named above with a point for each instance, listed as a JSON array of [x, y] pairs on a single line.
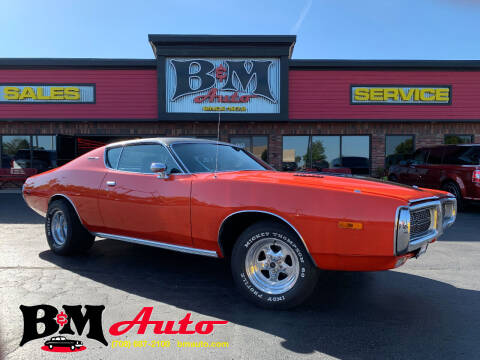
[[111, 183]]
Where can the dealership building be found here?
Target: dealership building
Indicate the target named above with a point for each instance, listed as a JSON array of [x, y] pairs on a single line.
[[295, 114]]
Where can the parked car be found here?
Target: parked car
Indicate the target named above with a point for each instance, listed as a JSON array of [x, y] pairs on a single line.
[[42, 159], [358, 165], [62, 341], [453, 168], [276, 228]]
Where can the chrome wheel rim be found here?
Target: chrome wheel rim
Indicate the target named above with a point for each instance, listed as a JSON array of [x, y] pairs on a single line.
[[59, 228], [272, 266]]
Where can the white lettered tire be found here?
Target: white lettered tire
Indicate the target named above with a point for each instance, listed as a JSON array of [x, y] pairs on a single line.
[[65, 234], [271, 267]]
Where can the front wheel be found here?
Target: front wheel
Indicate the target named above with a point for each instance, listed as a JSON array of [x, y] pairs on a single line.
[[271, 266]]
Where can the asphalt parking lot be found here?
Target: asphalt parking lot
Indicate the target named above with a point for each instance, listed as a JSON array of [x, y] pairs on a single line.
[[427, 309]]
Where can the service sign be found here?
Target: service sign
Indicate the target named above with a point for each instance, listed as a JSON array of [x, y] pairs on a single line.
[[226, 85], [403, 95], [47, 93]]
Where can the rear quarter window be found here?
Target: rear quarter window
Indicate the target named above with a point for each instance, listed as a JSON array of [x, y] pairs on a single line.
[[113, 155], [462, 155]]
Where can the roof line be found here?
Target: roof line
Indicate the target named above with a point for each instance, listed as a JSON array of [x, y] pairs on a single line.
[[76, 63], [383, 64]]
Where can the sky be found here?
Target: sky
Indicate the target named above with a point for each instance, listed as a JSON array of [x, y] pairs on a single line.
[[325, 29]]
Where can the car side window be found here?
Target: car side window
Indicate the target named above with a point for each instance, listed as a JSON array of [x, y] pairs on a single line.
[[462, 155], [113, 155], [419, 157], [435, 156], [139, 158]]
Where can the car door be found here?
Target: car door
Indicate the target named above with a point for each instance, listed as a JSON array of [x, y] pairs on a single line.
[[430, 174], [411, 175], [137, 203]]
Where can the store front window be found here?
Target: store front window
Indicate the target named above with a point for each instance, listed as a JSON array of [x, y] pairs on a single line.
[[398, 148], [294, 155], [23, 156], [458, 139], [29, 152], [257, 145], [326, 151]]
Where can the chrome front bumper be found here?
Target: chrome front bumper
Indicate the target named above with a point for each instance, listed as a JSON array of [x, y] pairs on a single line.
[[442, 215]]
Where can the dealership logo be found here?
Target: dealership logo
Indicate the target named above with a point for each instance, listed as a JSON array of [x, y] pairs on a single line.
[[54, 321], [197, 85]]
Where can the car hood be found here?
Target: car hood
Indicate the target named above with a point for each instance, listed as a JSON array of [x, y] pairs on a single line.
[[361, 184]]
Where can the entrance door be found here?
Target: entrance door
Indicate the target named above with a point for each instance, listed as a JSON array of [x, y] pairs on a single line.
[[136, 203]]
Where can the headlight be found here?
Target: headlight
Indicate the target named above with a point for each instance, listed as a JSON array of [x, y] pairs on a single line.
[[403, 230]]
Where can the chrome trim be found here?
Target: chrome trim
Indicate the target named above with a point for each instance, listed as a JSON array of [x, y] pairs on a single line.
[[269, 213], [71, 203], [105, 155], [423, 199], [93, 158], [447, 222], [175, 155], [158, 244], [425, 204], [416, 243]]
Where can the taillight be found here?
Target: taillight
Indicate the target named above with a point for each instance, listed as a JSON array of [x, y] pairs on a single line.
[[476, 176]]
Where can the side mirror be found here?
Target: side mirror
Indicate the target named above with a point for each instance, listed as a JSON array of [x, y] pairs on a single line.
[[160, 169]]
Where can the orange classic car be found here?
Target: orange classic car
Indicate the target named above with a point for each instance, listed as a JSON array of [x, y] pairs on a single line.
[[209, 198]]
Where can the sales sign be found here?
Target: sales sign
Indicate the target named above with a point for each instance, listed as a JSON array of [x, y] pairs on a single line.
[[229, 85], [47, 93], [404, 94]]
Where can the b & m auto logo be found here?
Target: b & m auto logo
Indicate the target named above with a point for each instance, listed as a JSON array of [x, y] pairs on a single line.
[[63, 328], [223, 85]]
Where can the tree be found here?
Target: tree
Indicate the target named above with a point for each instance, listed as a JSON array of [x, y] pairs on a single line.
[[12, 147], [405, 147], [316, 153], [454, 140]]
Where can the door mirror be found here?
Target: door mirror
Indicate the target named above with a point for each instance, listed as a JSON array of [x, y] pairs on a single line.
[[160, 169]]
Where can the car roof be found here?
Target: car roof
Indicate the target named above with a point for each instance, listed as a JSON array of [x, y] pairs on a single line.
[[445, 145], [168, 141]]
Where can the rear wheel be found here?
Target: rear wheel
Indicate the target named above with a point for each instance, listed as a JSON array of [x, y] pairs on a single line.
[[65, 234], [454, 189], [271, 267]]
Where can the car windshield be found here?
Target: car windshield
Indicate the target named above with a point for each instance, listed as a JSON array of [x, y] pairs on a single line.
[[205, 157]]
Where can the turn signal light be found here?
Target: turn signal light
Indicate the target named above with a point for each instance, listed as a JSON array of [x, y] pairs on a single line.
[[476, 176], [350, 225]]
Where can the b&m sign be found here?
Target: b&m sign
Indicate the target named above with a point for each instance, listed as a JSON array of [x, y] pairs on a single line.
[[228, 85], [47, 93]]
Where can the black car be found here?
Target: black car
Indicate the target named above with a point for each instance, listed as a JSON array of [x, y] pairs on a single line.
[[358, 165], [62, 341]]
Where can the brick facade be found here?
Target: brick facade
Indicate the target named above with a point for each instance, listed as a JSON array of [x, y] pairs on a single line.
[[426, 134]]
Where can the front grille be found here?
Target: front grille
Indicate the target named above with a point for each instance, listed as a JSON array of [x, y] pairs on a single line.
[[420, 222]]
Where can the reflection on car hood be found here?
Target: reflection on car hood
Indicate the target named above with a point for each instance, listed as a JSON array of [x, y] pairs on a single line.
[[363, 184]]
